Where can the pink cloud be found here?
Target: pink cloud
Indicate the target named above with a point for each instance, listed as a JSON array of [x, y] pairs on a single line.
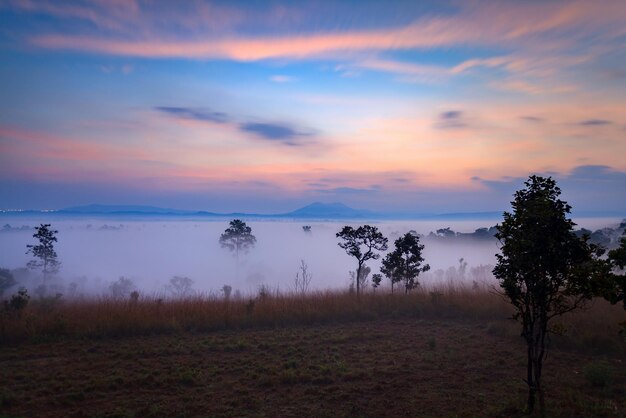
[[33, 144], [483, 23]]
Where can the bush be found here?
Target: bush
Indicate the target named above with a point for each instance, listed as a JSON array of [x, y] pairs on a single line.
[[18, 301], [598, 373]]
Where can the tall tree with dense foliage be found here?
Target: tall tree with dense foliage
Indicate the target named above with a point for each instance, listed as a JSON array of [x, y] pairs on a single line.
[[404, 263], [544, 269], [238, 237], [362, 243], [44, 255]]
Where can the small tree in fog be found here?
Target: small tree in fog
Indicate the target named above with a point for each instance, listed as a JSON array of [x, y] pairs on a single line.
[[365, 272], [303, 278], [362, 243], [617, 260], [226, 290], [17, 303], [404, 263], [44, 255], [180, 286], [462, 269], [6, 281], [544, 269], [238, 237], [376, 280], [121, 288], [613, 284], [389, 270]]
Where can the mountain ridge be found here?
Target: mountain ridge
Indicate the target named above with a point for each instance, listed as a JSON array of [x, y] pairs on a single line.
[[315, 210]]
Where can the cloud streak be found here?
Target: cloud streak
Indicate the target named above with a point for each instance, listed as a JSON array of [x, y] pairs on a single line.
[[595, 122], [194, 114], [277, 132], [486, 24], [451, 119], [274, 132]]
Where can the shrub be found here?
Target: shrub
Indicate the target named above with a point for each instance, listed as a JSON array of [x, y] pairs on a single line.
[[598, 373], [18, 301]]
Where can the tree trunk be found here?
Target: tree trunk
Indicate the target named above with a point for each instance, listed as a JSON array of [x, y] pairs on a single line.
[[358, 280], [45, 271], [530, 404]]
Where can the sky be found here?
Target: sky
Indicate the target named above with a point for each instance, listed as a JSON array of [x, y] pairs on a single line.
[[266, 106]]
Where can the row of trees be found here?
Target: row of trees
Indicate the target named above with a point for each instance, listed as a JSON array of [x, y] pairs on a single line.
[[544, 268], [404, 264]]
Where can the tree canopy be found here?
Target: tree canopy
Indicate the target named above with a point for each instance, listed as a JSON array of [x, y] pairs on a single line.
[[404, 263], [613, 285], [237, 237], [44, 255], [544, 269], [362, 243]]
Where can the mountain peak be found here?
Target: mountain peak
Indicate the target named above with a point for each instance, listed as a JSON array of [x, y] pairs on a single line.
[[328, 210]]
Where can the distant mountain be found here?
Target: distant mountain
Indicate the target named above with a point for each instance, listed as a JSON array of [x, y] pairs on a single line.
[[330, 211], [317, 210]]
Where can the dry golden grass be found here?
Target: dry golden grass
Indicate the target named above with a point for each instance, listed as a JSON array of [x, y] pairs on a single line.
[[596, 328]]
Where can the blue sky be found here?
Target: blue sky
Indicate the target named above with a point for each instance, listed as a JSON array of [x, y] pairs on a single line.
[[267, 106]]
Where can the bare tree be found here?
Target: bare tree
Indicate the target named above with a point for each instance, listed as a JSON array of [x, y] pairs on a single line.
[[303, 278], [180, 286]]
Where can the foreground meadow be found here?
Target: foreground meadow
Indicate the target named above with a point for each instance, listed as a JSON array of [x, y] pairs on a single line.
[[440, 353]]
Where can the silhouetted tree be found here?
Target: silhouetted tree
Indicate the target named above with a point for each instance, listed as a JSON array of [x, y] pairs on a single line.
[[226, 289], [180, 286], [17, 303], [361, 243], [376, 279], [45, 257], [237, 237], [388, 269], [544, 269], [404, 263], [613, 284]]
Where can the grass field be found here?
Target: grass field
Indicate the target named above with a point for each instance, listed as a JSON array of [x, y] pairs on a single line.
[[452, 353]]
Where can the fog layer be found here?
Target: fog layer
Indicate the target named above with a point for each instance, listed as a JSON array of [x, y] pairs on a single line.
[[95, 253]]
